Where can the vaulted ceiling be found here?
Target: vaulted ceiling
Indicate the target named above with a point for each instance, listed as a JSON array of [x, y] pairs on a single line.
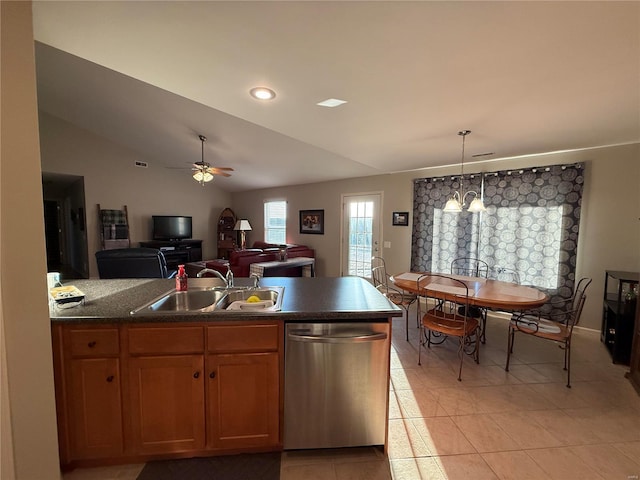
[[524, 77]]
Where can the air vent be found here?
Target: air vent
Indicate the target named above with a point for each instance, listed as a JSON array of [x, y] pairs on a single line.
[[142, 164]]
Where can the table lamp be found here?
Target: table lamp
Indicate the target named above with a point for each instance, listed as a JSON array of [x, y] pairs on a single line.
[[244, 226]]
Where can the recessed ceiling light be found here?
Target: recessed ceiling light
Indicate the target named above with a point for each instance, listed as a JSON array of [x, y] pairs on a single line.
[[331, 102], [262, 93]]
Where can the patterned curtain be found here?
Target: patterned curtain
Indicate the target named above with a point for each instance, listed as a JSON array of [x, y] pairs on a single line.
[[530, 226], [438, 236]]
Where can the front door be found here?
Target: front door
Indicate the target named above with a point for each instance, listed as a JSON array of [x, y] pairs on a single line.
[[361, 233]]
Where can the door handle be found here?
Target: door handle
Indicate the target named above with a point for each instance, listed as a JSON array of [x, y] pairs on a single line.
[[325, 339]]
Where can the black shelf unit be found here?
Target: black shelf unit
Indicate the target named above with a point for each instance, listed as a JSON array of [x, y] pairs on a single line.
[[618, 315], [177, 252]]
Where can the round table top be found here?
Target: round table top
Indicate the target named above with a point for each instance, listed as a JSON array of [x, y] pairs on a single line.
[[483, 292]]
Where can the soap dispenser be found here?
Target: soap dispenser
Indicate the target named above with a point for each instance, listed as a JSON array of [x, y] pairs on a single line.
[[181, 279]]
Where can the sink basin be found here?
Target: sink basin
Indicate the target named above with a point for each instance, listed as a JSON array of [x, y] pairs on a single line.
[[206, 300], [270, 297], [193, 300]]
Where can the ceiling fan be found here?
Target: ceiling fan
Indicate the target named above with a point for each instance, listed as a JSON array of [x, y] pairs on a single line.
[[204, 172]]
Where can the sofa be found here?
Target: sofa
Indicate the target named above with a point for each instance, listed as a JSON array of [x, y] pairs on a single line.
[[240, 260]]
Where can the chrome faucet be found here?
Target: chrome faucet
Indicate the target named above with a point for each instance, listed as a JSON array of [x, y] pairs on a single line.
[[229, 276], [217, 274], [256, 280]]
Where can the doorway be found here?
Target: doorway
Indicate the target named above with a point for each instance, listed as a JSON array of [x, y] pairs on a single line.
[[362, 233], [65, 225]]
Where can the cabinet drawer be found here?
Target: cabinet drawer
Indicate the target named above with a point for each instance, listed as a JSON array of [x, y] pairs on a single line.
[[93, 342], [151, 340], [242, 338]]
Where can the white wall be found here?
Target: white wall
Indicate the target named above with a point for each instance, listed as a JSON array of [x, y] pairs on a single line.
[[112, 180], [609, 236], [31, 448]]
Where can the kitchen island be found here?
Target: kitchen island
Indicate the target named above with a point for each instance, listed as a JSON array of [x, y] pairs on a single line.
[[132, 388]]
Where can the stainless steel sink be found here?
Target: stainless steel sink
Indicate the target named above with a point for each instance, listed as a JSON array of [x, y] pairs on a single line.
[[193, 300], [207, 300], [272, 294]]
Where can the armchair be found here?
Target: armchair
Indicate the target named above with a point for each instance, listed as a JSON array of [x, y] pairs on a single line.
[[131, 263]]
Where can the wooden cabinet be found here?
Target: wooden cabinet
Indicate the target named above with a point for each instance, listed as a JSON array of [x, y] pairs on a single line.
[[167, 400], [87, 368], [135, 391], [618, 316], [243, 391], [166, 388], [227, 236], [95, 407], [634, 371]]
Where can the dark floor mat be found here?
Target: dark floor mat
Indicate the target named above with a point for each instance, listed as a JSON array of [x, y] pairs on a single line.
[[258, 466]]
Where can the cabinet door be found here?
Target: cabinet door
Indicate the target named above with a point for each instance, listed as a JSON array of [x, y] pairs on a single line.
[[95, 411], [167, 403], [243, 400], [634, 373]]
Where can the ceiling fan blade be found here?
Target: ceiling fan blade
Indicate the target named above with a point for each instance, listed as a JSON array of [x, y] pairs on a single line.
[[214, 171], [229, 169]]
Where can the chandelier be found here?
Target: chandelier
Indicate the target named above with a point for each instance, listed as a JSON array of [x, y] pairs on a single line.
[[457, 201]]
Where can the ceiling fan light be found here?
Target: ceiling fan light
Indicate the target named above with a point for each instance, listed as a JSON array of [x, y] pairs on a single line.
[[453, 206], [202, 176]]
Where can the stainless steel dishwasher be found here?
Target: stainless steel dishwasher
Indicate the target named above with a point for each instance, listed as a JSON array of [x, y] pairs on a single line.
[[336, 384]]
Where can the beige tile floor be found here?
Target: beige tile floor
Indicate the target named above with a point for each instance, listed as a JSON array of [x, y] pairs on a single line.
[[524, 424]]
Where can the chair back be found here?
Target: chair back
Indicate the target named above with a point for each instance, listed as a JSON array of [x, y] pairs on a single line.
[[379, 274], [506, 275], [447, 302], [131, 263], [577, 303], [470, 267]]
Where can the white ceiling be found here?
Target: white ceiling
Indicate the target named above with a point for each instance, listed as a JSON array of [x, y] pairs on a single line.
[[524, 77]]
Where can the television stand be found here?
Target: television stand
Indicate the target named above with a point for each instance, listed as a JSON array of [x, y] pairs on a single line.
[[177, 252]]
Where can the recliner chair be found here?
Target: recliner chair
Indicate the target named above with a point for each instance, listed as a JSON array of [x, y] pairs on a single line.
[[131, 263]]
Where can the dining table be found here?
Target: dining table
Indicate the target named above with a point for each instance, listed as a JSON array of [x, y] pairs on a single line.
[[483, 292]]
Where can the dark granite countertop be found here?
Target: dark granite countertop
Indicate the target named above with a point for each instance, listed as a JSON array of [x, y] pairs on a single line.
[[320, 298]]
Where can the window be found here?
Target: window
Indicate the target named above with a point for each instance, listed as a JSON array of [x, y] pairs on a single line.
[[531, 225], [275, 221]]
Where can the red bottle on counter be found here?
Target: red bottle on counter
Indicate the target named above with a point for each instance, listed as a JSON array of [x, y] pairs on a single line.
[[181, 279]]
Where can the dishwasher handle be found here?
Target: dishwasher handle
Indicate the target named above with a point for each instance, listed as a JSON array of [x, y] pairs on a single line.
[[327, 339]]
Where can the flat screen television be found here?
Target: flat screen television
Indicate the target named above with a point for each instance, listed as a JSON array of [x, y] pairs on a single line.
[[171, 227]]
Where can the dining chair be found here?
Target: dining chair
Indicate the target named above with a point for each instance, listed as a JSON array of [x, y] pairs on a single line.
[[505, 274], [473, 267], [555, 324], [470, 267], [399, 297], [445, 319]]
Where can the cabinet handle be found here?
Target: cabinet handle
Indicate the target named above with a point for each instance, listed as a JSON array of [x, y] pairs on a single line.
[[110, 378], [91, 344], [196, 375], [212, 375]]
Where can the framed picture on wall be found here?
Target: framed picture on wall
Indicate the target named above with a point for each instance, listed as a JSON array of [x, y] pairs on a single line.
[[401, 218], [312, 221]]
